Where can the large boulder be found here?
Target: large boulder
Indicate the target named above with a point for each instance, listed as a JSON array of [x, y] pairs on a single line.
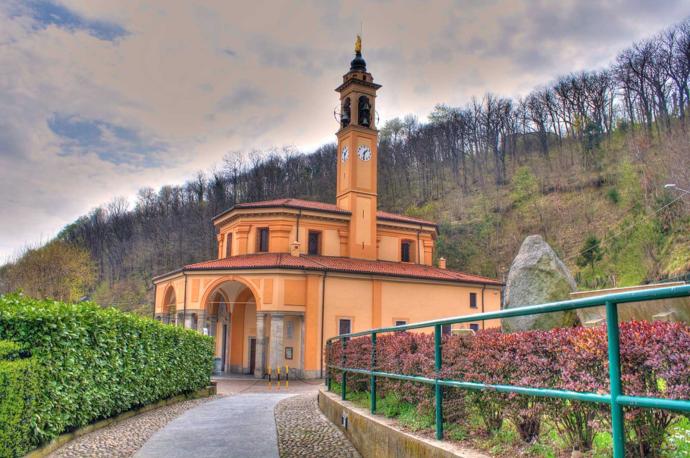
[[537, 276]]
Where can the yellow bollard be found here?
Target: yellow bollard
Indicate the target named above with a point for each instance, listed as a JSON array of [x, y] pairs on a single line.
[[287, 376]]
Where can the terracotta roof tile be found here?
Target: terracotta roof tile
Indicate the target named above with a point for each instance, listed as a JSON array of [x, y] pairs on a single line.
[[321, 206], [338, 264]]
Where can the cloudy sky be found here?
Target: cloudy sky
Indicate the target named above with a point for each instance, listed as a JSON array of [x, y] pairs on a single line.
[[101, 98]]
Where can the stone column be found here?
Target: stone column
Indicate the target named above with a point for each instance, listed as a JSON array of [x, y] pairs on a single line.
[[188, 321], [201, 322], [260, 360], [277, 343], [302, 348]]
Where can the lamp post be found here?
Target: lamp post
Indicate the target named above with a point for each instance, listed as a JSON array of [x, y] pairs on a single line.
[[675, 186]]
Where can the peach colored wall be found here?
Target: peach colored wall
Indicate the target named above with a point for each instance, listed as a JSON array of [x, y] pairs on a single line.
[[283, 231], [347, 298], [369, 302], [390, 245], [416, 302]]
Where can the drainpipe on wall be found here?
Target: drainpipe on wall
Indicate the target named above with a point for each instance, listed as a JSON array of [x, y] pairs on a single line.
[[323, 311], [184, 305], [155, 290], [483, 288], [299, 216], [420, 252]]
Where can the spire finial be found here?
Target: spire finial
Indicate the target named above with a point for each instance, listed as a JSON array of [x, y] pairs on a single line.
[[358, 63]]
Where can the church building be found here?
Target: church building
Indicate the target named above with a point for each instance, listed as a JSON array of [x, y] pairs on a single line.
[[291, 273]]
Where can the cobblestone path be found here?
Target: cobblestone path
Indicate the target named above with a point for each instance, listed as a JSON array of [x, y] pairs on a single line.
[[125, 438], [303, 431]]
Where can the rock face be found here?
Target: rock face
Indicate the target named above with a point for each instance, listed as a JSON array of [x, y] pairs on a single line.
[[537, 276]]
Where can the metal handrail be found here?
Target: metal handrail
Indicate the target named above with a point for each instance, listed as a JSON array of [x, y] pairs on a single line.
[[616, 399]]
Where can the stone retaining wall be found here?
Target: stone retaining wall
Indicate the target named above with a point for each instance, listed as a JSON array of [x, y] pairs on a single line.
[[377, 436]]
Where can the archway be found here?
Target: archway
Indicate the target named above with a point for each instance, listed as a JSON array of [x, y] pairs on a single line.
[[230, 307], [169, 306]]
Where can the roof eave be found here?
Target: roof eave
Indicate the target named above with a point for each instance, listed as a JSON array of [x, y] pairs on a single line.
[[344, 271], [268, 207]]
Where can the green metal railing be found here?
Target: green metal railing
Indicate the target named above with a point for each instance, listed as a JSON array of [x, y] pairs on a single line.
[[616, 399]]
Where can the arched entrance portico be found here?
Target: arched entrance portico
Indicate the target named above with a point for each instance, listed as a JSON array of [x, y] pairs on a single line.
[[169, 306], [230, 308]]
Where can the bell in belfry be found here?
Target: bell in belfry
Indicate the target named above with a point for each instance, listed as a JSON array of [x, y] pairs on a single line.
[[364, 114], [345, 116]]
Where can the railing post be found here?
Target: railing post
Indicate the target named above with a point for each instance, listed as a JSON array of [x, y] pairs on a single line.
[[372, 379], [439, 388], [613, 335], [328, 369], [343, 343]]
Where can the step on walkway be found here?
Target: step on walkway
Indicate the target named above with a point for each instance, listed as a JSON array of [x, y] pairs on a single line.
[[235, 426]]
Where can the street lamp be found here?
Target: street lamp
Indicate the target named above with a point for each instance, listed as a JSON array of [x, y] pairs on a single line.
[[675, 186]]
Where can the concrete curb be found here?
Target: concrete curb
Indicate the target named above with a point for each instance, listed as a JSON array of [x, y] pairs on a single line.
[[377, 436], [64, 438]]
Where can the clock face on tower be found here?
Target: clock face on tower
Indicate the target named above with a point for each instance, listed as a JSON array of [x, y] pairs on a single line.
[[364, 152], [345, 153]]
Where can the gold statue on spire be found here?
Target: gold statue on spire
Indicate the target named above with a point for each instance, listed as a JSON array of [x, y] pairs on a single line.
[[358, 44]]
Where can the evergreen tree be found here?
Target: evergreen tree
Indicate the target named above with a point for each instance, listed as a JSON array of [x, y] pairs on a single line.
[[591, 252]]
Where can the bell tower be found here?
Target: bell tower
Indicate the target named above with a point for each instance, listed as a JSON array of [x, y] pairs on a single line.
[[357, 156]]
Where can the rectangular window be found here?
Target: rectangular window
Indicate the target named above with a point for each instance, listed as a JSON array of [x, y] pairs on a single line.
[[400, 322], [228, 245], [262, 240], [289, 330], [473, 300], [314, 243], [405, 251], [474, 326], [344, 326]]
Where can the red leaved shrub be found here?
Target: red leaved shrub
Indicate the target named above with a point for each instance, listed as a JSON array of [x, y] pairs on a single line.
[[655, 362]]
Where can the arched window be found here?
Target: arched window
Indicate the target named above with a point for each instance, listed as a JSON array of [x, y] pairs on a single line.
[[407, 253]]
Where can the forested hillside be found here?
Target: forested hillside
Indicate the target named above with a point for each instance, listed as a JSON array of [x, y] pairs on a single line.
[[582, 160]]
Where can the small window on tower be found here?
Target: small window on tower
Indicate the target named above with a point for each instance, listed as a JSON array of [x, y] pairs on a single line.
[[405, 251], [314, 243], [228, 245], [262, 240]]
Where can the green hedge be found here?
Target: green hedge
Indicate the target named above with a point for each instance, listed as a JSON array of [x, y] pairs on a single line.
[[95, 363], [18, 391]]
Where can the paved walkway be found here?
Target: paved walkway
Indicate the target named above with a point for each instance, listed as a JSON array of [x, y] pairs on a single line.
[[123, 439], [240, 422], [236, 426]]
